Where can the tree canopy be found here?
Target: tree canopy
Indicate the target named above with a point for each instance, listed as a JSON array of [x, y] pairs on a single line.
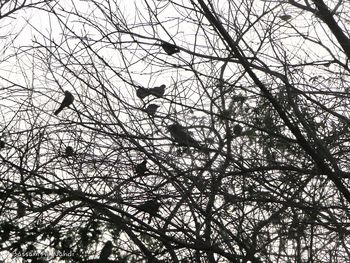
[[174, 131]]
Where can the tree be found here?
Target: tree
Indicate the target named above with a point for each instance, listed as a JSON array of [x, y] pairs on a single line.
[[262, 85]]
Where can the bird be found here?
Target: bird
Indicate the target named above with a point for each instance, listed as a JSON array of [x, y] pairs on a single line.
[[237, 129], [151, 109], [21, 209], [141, 168], [106, 251], [285, 17], [150, 206], [69, 151], [67, 101], [170, 49], [142, 93], [2, 144], [158, 91], [182, 137]]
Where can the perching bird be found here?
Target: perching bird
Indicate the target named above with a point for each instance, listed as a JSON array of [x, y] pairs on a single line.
[[142, 93], [151, 109], [141, 168], [158, 91], [106, 251], [2, 144], [285, 17], [21, 209], [150, 206], [67, 101], [170, 49], [182, 137], [237, 129], [69, 151]]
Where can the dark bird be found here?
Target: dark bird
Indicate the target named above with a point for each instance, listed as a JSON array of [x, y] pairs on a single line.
[[151, 109], [285, 17], [158, 91], [21, 209], [182, 137], [237, 129], [67, 101], [142, 93], [69, 151], [150, 206], [2, 144], [141, 168], [170, 49], [106, 251]]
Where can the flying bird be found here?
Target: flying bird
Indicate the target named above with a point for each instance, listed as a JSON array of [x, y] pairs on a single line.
[[142, 93], [158, 91], [69, 151], [67, 101], [182, 137], [106, 251], [170, 49], [141, 168], [151, 109]]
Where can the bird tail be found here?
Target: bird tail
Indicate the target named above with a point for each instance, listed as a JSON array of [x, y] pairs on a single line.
[[206, 150], [58, 111]]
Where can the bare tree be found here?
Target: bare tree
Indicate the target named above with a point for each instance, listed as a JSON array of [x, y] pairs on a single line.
[[195, 131]]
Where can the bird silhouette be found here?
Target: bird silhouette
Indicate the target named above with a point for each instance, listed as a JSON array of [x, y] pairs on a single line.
[[237, 129], [2, 144], [158, 91], [21, 209], [151, 109], [182, 137], [67, 101], [170, 49], [150, 206], [106, 251], [142, 93], [141, 168], [285, 17], [69, 151]]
